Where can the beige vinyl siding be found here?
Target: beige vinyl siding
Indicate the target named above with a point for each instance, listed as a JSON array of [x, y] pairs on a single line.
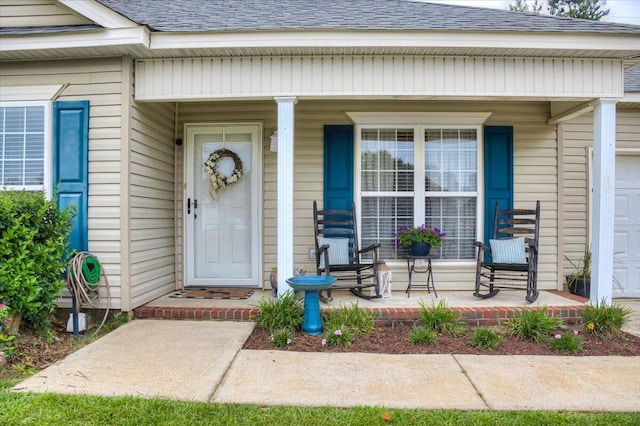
[[37, 13], [578, 136], [100, 82], [151, 202], [237, 77], [535, 171]]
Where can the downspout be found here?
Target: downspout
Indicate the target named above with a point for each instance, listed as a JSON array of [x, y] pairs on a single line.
[[125, 182]]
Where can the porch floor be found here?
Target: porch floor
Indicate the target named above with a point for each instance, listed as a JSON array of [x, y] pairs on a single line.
[[398, 307]]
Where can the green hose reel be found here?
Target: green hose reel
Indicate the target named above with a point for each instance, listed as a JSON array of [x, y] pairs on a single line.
[[91, 271]]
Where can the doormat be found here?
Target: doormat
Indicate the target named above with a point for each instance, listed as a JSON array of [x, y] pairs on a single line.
[[213, 293]]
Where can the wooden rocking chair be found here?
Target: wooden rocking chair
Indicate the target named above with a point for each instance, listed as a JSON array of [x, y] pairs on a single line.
[[338, 255], [514, 254]]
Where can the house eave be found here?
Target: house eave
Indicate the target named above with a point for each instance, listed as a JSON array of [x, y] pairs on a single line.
[[139, 42], [74, 44], [472, 43], [631, 97]]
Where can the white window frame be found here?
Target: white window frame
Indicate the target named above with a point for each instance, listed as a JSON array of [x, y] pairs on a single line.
[[419, 122], [48, 161]]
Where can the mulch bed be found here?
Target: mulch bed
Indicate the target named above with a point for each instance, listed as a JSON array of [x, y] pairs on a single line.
[[394, 340]]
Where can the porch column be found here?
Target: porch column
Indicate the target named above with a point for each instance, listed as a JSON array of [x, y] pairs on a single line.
[[285, 191], [604, 144]]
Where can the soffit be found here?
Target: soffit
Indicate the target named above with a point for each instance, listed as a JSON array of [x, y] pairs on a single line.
[[147, 44], [142, 52]]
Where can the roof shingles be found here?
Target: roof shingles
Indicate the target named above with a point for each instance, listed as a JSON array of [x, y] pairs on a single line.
[[248, 15]]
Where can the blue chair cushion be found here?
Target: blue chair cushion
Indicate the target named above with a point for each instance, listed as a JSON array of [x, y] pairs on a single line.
[[338, 250], [508, 250]]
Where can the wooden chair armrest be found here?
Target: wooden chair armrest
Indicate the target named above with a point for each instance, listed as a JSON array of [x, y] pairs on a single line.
[[323, 250], [369, 248], [482, 247]]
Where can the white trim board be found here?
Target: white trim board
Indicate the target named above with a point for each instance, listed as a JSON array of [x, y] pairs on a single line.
[[418, 118]]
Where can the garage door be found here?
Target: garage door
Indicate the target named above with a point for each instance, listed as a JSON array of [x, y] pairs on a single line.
[[626, 244]]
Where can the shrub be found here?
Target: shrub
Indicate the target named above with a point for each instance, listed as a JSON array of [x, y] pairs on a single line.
[[485, 338], [286, 312], [6, 337], [422, 335], [567, 342], [354, 318], [441, 319], [5, 316], [342, 336], [33, 254], [282, 337], [344, 324], [534, 325], [605, 319]]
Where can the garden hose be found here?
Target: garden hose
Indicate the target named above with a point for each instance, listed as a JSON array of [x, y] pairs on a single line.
[[91, 270], [83, 276]]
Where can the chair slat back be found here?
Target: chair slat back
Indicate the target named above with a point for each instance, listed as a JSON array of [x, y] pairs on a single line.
[[517, 223], [337, 224]]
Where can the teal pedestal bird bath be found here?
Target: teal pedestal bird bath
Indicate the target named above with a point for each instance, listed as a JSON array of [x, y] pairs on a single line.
[[311, 285]]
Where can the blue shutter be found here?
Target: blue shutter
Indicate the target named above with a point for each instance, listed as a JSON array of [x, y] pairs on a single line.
[[71, 163], [498, 173], [338, 167]]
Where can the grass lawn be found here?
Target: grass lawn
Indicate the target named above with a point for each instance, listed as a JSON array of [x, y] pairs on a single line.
[[51, 409]]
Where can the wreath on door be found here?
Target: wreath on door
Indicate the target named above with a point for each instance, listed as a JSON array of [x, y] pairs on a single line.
[[220, 182]]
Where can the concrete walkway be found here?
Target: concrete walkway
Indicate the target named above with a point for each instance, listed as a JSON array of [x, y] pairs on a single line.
[[168, 359], [203, 361]]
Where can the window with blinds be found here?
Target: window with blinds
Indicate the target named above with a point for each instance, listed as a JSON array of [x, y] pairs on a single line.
[[415, 175], [22, 147]]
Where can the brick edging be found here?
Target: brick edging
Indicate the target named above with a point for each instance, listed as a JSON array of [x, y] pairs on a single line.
[[473, 316], [234, 314]]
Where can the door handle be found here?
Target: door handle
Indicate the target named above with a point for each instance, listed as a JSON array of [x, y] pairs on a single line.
[[195, 206], [188, 205]]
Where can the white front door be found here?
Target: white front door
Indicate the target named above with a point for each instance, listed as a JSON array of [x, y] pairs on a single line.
[[626, 245], [223, 238]]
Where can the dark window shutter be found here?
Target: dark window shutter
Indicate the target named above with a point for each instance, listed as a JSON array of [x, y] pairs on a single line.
[[338, 167], [71, 163], [498, 173]]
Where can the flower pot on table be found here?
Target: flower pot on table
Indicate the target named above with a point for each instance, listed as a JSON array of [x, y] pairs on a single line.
[[420, 249]]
